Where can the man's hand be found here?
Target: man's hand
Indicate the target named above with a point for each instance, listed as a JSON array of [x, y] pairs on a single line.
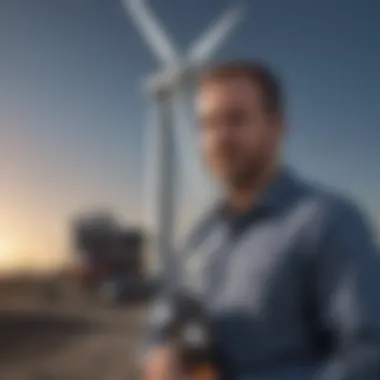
[[162, 364]]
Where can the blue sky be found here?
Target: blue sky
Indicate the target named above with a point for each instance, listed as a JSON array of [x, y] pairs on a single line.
[[72, 112]]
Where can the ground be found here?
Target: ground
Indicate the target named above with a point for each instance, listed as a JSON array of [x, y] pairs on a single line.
[[49, 336]]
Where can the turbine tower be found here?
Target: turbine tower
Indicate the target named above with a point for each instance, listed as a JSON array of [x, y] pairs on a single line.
[[168, 88]]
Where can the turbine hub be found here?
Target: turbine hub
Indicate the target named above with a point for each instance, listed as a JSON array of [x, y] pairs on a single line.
[[166, 82]]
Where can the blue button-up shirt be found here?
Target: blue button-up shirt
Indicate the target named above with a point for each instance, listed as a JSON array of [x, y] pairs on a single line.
[[291, 286]]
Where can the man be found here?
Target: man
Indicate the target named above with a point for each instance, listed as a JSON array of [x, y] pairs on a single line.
[[287, 271]]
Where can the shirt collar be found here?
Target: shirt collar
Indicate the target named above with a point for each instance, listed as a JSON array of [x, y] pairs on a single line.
[[273, 197], [275, 194]]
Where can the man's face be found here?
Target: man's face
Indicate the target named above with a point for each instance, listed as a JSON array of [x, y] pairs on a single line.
[[238, 136]]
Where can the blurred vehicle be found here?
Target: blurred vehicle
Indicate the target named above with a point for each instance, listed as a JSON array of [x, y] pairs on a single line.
[[110, 257]]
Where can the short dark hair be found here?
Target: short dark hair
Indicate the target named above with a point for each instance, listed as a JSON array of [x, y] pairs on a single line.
[[255, 71]]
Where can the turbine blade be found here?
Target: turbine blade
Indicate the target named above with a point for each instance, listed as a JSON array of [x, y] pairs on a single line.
[[211, 40], [151, 30]]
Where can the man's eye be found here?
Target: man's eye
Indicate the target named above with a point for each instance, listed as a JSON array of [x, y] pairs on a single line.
[[226, 119], [210, 124]]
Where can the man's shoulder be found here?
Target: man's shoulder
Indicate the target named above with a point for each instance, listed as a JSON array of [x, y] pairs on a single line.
[[342, 234], [331, 209], [331, 200]]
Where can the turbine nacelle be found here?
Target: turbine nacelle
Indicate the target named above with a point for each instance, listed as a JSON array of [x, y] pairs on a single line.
[[169, 80]]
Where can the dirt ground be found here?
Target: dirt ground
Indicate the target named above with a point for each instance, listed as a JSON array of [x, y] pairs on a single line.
[[68, 338]]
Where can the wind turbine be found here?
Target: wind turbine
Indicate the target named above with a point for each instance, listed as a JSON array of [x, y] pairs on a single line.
[[168, 88]]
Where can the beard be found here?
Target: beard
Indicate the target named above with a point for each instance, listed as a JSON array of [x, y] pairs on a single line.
[[241, 173], [245, 176]]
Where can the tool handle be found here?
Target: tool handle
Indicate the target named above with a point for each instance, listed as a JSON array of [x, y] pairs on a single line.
[[205, 371]]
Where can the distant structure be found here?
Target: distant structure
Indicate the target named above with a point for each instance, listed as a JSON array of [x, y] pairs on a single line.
[[106, 250], [168, 90]]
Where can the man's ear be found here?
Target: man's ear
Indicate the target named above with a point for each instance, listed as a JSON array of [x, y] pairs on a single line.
[[278, 122], [282, 125]]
